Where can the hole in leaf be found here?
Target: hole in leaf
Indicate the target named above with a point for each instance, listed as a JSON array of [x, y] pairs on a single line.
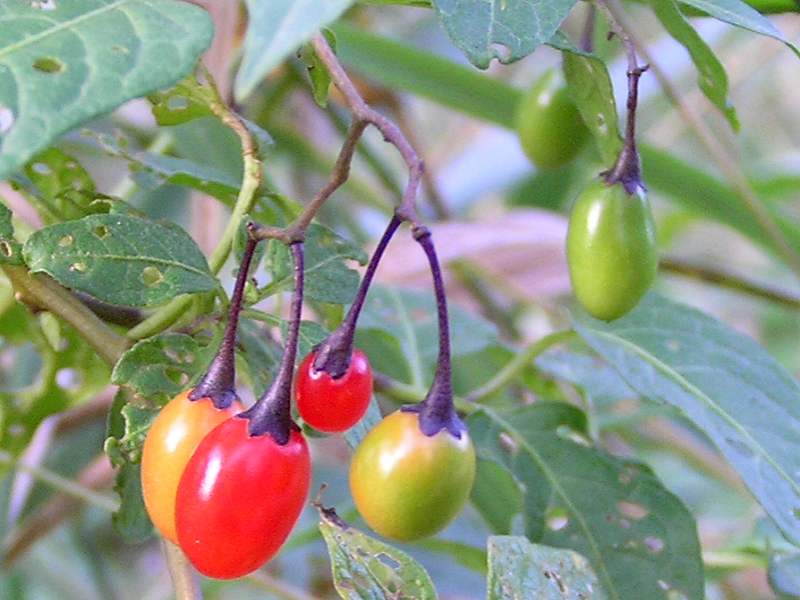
[[557, 519], [177, 103], [41, 168], [68, 379], [388, 561], [632, 510], [673, 345], [44, 4], [654, 544], [5, 249], [120, 49], [663, 585], [48, 64], [78, 267], [101, 232], [501, 52], [177, 376], [66, 241], [151, 276], [6, 118], [508, 444]]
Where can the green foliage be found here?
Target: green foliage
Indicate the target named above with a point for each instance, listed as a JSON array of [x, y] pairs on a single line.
[[503, 29], [724, 382], [365, 568], [276, 28], [519, 569], [318, 73], [10, 248], [614, 512], [120, 259], [60, 68]]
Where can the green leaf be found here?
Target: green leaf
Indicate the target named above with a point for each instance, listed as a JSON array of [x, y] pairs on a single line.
[[63, 184], [183, 102], [120, 259], [639, 538], [327, 276], [318, 73], [503, 29], [127, 447], [496, 496], [359, 431], [519, 569], [157, 368], [724, 382], [61, 66], [601, 384], [590, 87], [10, 248], [261, 354], [465, 555], [275, 29], [367, 569], [131, 521], [711, 74], [741, 15], [403, 67]]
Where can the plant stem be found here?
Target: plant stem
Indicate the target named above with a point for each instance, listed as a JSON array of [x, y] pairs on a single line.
[[521, 360], [271, 414], [718, 152], [278, 588], [333, 355], [404, 392], [45, 292], [219, 381], [587, 35], [251, 180], [183, 578]]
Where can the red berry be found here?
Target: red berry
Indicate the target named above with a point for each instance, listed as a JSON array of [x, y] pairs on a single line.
[[329, 404], [239, 498]]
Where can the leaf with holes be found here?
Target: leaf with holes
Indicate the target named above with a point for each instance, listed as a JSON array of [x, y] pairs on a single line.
[[503, 29], [328, 278], [63, 63], [519, 569], [590, 86], [124, 445], [120, 259], [724, 382], [364, 567], [10, 248], [740, 14], [712, 78], [639, 538], [157, 368], [275, 29]]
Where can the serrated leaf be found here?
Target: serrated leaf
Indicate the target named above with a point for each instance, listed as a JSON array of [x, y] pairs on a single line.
[[591, 90], [120, 259], [327, 276], [60, 66], [519, 569], [738, 13], [10, 248], [507, 30], [157, 368], [712, 79], [724, 382], [131, 521], [640, 539], [367, 569], [276, 28]]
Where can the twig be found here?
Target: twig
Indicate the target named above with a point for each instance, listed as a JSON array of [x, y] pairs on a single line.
[[277, 587], [718, 152], [183, 578], [251, 180], [363, 116], [729, 281], [587, 35]]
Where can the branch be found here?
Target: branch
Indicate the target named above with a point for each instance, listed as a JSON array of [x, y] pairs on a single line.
[[363, 116], [251, 181], [42, 291], [719, 153], [183, 578]]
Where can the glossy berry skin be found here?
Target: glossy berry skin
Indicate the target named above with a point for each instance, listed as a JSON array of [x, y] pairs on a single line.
[[407, 485], [239, 498], [611, 249], [170, 442], [550, 128], [333, 405]]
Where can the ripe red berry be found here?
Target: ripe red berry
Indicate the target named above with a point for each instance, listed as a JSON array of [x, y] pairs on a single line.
[[333, 405], [239, 498]]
